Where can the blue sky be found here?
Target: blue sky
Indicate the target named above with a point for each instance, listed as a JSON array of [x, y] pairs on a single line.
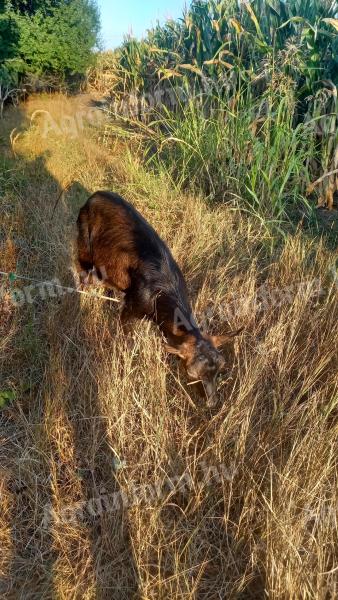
[[120, 17]]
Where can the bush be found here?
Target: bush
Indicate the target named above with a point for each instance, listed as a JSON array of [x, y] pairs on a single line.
[[51, 40], [62, 42]]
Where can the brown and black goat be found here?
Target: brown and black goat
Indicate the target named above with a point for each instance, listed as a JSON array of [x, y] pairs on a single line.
[[117, 244]]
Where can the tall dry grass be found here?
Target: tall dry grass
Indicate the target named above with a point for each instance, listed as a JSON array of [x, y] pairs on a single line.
[[96, 413]]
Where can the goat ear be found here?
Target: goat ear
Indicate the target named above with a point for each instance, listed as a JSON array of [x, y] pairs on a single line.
[[185, 349], [172, 350], [221, 340]]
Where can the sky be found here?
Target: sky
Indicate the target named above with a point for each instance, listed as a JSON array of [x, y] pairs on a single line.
[[119, 17]]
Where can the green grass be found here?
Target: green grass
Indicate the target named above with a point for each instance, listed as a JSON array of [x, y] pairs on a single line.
[[249, 155]]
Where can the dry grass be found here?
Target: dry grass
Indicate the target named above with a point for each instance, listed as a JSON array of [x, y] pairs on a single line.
[[89, 401]]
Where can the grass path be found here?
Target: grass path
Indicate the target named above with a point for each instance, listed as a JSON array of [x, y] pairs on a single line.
[[117, 482]]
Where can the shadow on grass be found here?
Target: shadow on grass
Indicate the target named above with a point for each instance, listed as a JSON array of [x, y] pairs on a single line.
[[53, 439]]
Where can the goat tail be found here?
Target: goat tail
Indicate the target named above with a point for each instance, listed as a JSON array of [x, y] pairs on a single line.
[[85, 254]]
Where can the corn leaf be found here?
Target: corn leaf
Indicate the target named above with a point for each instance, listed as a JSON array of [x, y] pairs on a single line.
[[236, 25], [333, 22], [254, 19], [190, 68]]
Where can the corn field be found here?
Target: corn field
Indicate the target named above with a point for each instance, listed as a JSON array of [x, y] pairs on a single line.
[[238, 100]]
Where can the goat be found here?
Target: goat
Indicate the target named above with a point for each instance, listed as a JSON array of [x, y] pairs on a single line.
[[125, 252]]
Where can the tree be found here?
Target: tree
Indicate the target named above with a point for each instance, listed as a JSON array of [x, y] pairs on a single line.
[[10, 65], [9, 36], [62, 42], [9, 81], [30, 7], [45, 40]]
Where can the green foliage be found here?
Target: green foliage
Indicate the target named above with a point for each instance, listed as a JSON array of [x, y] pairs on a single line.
[[10, 71], [62, 42], [249, 80], [218, 37], [235, 155], [6, 397], [9, 36], [54, 38], [30, 7]]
